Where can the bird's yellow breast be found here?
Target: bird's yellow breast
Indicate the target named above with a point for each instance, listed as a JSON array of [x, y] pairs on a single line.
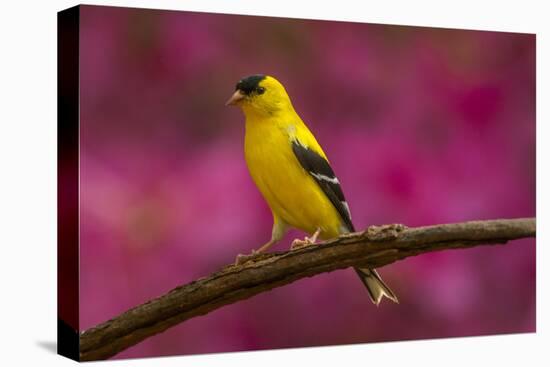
[[289, 190]]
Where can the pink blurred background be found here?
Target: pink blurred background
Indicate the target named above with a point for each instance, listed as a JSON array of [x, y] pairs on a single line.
[[422, 126]]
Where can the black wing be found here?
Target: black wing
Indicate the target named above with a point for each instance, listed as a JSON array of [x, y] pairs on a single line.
[[319, 169]]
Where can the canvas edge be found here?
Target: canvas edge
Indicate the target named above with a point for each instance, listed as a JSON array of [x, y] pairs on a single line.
[[68, 25]]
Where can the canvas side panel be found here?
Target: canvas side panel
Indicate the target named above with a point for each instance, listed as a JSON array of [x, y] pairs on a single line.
[[68, 182]]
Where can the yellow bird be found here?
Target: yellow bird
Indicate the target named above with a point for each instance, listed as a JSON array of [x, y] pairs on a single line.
[[293, 173]]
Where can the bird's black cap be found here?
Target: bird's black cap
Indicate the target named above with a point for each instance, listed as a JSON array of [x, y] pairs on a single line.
[[250, 83]]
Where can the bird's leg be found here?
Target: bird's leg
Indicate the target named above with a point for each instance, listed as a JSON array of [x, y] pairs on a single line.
[[307, 241], [241, 259], [279, 229]]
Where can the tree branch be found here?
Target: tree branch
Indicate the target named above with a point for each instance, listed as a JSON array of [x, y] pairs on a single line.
[[375, 247]]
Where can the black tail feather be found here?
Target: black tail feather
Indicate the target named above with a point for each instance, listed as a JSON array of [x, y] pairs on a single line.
[[375, 285]]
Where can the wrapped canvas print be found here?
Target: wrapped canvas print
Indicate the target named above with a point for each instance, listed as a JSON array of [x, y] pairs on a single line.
[[237, 183]]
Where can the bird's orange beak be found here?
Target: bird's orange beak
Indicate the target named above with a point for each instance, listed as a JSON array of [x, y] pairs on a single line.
[[235, 98]]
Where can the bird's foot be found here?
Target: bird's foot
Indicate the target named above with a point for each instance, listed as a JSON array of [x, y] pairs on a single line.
[[307, 241], [241, 259], [297, 243]]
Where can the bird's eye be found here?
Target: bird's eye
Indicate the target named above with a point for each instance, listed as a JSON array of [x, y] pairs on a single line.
[[260, 90]]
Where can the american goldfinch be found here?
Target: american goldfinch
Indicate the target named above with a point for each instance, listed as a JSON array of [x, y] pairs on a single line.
[[293, 173]]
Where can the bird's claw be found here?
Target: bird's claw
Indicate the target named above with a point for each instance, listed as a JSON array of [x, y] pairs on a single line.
[[296, 244], [241, 259], [307, 241]]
